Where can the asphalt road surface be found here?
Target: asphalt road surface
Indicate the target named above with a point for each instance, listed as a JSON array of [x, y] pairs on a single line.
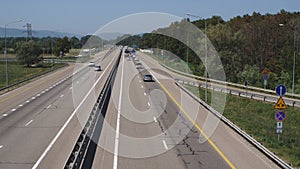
[[156, 125], [32, 116], [147, 124]]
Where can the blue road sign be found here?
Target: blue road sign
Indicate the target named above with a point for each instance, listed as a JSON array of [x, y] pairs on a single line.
[[280, 116], [266, 76], [281, 90]]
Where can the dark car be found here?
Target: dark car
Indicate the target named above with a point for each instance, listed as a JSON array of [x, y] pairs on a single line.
[[148, 78]]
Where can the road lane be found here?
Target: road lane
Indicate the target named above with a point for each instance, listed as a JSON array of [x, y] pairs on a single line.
[[26, 132], [139, 122], [239, 151]]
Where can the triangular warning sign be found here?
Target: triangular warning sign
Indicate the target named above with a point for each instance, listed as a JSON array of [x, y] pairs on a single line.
[[280, 104]]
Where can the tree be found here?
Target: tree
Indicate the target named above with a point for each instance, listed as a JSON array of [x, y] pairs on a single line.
[[28, 52], [62, 45], [75, 43]]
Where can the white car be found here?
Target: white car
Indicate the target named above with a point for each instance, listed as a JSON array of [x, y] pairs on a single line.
[[91, 64], [97, 68]]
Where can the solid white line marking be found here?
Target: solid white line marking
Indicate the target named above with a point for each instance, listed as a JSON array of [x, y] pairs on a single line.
[[145, 94], [165, 144], [13, 109], [20, 105], [28, 122], [155, 120], [4, 115], [117, 137], [61, 96], [68, 121], [48, 106]]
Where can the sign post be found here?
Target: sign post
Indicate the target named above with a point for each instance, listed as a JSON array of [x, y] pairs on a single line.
[[266, 76], [280, 115]]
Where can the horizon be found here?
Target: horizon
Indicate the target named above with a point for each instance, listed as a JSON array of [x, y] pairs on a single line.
[[78, 35], [87, 17]]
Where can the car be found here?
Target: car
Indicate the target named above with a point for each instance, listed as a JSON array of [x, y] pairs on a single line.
[[148, 78], [138, 65], [97, 68], [91, 64]]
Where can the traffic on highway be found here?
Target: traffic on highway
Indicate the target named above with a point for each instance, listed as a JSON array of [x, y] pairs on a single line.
[[195, 85]]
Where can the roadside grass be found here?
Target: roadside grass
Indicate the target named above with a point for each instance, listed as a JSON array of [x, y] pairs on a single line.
[[258, 119], [18, 72]]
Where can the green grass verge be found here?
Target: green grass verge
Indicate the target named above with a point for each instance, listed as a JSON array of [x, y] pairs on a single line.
[[18, 72], [258, 119]]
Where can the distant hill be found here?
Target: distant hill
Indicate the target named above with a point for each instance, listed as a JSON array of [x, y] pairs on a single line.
[[12, 32]]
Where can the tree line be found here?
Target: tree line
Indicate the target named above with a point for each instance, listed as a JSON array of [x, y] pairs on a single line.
[[246, 45], [29, 51]]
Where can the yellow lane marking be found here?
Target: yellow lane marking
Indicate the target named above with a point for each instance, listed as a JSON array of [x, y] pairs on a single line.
[[30, 87], [197, 126]]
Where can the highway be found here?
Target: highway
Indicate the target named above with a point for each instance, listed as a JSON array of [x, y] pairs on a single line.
[[156, 125], [32, 116], [147, 124]]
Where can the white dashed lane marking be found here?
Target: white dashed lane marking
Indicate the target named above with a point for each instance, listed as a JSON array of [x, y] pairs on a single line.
[[165, 144], [155, 120], [4, 115], [13, 109], [61, 96], [28, 122], [1, 146]]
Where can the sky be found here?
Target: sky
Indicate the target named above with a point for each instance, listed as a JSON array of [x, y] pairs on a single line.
[[87, 16]]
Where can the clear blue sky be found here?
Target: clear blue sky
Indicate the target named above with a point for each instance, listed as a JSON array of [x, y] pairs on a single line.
[[87, 16]]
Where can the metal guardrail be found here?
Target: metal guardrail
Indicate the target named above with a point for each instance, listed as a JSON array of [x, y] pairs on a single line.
[[57, 61], [246, 93], [79, 157], [229, 83], [250, 139]]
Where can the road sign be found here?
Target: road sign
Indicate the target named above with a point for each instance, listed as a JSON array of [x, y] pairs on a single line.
[[279, 131], [266, 76], [280, 104], [280, 116], [280, 90], [279, 127], [266, 71]]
